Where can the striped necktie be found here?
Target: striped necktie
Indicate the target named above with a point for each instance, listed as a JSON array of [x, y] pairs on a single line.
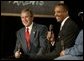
[[27, 36]]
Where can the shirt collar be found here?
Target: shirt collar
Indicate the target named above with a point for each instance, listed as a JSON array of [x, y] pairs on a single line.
[[64, 20], [30, 27]]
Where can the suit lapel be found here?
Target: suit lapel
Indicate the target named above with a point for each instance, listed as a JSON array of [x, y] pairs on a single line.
[[65, 24], [64, 28], [23, 38], [33, 31]]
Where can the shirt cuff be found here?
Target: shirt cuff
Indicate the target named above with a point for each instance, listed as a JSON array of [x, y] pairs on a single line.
[[66, 51]]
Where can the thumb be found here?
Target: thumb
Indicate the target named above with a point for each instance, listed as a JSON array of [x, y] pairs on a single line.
[[20, 53]]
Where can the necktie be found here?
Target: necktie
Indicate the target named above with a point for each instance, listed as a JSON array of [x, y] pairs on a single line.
[[27, 36]]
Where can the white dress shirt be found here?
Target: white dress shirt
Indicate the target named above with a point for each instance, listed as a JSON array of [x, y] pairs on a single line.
[[63, 22], [30, 28]]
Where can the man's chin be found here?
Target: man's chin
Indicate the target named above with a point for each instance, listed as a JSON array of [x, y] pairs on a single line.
[[58, 20], [26, 25]]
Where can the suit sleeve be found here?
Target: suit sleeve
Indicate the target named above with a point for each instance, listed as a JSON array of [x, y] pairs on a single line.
[[43, 40], [17, 42]]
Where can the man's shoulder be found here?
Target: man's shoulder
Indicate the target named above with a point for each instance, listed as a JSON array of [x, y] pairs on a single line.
[[40, 25], [21, 29], [71, 21]]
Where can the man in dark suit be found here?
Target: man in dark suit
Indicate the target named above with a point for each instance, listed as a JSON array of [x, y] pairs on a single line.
[[68, 30], [37, 44], [76, 51]]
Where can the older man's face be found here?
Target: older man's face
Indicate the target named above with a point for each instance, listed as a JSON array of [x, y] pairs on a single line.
[[26, 19]]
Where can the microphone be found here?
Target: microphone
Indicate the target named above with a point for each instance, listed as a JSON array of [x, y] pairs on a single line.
[[51, 27], [80, 13], [50, 32]]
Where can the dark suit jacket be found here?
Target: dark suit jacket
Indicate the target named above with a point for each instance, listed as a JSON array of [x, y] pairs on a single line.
[[38, 40], [67, 35]]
